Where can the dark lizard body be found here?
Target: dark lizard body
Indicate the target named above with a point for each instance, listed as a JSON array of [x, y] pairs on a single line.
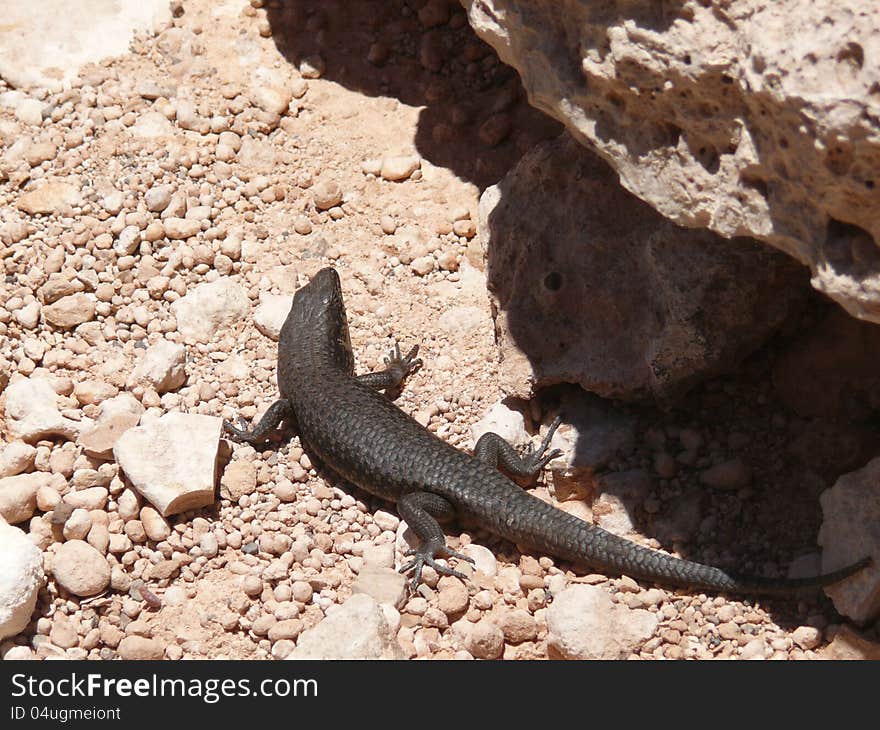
[[360, 434]]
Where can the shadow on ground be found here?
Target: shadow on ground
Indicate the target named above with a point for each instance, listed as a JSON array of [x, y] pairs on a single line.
[[475, 121]]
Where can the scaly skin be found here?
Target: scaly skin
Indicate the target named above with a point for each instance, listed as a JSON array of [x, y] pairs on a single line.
[[364, 437]]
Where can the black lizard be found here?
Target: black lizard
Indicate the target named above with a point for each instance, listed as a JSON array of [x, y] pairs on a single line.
[[364, 437]]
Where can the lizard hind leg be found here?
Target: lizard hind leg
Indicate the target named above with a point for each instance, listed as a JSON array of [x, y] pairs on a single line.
[[493, 450], [421, 510]]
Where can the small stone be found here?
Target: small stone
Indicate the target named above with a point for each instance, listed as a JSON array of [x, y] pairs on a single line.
[[63, 633], [518, 626], [239, 478], [115, 416], [485, 640], [312, 67], [155, 525], [399, 168], [70, 311], [252, 586], [382, 584], [385, 520], [180, 229], [423, 265], [80, 569], [483, 557], [731, 474], [140, 648], [271, 99], [78, 524], [18, 495], [15, 458], [272, 311], [807, 637], [210, 308], [583, 623], [53, 197], [287, 629], [452, 596], [326, 194]]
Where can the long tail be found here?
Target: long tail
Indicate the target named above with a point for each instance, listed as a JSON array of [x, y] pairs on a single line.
[[563, 535]]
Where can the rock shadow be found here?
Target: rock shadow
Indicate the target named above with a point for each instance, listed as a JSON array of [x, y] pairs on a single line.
[[475, 118]]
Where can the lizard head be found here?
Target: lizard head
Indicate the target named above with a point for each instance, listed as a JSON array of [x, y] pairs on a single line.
[[318, 308]]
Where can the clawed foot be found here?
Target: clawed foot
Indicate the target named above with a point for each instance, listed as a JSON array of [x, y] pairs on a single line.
[[403, 365], [536, 458], [242, 431], [424, 555]]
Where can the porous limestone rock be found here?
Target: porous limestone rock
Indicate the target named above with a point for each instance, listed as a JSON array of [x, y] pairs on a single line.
[[171, 460], [37, 50], [746, 117], [614, 297]]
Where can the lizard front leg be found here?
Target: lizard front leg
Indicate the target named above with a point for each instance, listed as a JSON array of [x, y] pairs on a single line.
[[279, 411], [397, 368]]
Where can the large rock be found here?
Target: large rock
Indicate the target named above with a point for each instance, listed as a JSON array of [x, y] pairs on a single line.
[[746, 117], [831, 370], [37, 50], [616, 298], [172, 460], [21, 575], [355, 630], [583, 623], [849, 532]]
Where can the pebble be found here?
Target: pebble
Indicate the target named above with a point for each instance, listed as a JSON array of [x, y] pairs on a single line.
[[485, 640], [16, 458], [383, 584], [80, 569], [326, 194], [70, 311], [18, 495], [140, 648], [399, 168], [452, 596], [239, 478], [728, 475], [518, 626], [162, 367], [53, 197], [210, 308], [272, 311], [807, 637]]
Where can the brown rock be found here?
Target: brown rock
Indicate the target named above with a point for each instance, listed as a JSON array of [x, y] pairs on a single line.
[[70, 311], [667, 306], [140, 648], [80, 569]]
